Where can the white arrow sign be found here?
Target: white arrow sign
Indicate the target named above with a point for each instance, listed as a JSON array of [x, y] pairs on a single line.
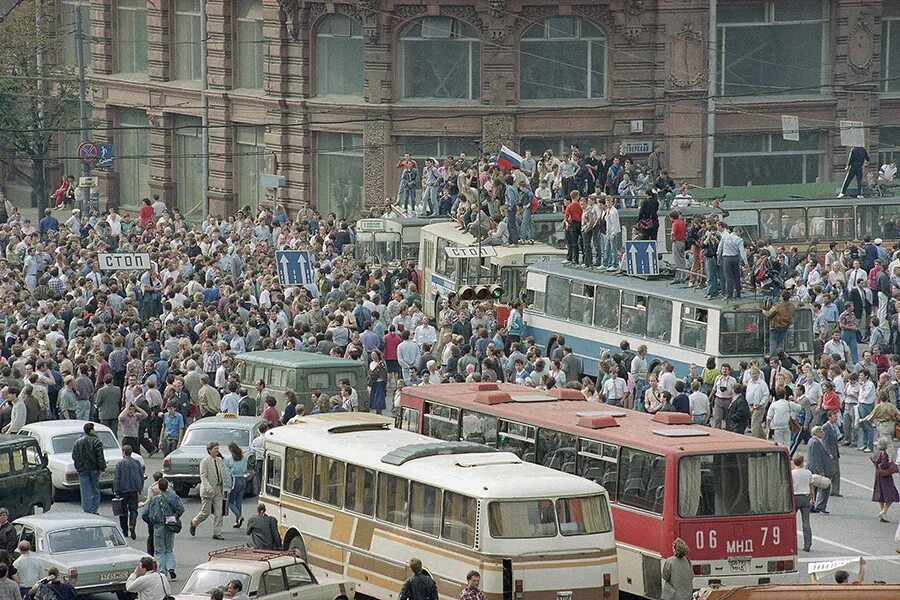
[[284, 268]]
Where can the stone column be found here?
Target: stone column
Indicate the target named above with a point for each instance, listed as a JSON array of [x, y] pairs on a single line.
[[222, 200], [162, 145], [158, 41], [376, 138]]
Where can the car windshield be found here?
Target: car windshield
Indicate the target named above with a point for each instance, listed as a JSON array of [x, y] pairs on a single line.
[[203, 580], [200, 436], [86, 538], [63, 444]]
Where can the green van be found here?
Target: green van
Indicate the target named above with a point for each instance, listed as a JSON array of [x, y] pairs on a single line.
[[302, 372], [25, 480]]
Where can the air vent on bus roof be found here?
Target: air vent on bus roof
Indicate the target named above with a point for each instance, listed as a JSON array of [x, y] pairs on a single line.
[[486, 387], [679, 432], [354, 427], [672, 418], [492, 397], [483, 460], [611, 412], [533, 397], [566, 394], [404, 454], [598, 422]]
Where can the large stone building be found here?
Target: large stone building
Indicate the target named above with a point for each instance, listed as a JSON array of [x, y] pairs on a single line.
[[330, 94]]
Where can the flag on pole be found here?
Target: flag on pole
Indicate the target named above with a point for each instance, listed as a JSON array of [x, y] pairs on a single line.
[[508, 159]]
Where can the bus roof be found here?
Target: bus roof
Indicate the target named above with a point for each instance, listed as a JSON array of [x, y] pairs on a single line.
[[634, 429], [662, 288], [363, 441], [290, 358], [451, 232]]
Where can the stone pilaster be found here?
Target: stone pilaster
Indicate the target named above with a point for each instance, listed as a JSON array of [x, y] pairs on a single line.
[[221, 159], [158, 40], [162, 145], [496, 131], [221, 39], [100, 30], [376, 138]]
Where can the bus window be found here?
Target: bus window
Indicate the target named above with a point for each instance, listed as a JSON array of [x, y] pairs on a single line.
[[634, 314], [409, 419], [444, 265], [329, 485], [741, 333], [360, 490], [522, 519], [800, 335], [273, 475], [580, 516], [459, 519], [659, 319], [606, 308], [276, 377], [479, 428], [298, 472], [441, 422], [511, 280], [642, 478], [317, 381], [878, 221], [582, 303], [558, 292], [425, 508], [693, 327], [783, 224], [518, 439], [597, 462], [392, 497], [428, 253], [556, 450], [831, 223], [733, 483]]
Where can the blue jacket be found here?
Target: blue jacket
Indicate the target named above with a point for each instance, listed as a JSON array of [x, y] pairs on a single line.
[[129, 476]]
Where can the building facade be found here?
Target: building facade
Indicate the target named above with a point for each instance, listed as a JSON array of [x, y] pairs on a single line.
[[331, 94]]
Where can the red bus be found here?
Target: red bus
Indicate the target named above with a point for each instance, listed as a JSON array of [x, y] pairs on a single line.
[[728, 496]]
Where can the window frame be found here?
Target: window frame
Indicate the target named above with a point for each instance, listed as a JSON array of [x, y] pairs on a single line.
[[365, 471], [273, 476], [338, 483], [133, 11], [693, 311], [403, 517], [738, 334], [195, 58], [621, 485], [608, 454], [306, 483], [416, 486], [769, 149], [473, 43]]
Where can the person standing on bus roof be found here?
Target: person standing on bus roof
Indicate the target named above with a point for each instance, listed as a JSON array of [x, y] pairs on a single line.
[[731, 256], [857, 159], [781, 317], [573, 215], [420, 586], [678, 574]]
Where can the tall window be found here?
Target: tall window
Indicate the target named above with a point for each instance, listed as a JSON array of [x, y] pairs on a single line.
[[188, 166], [133, 163], [250, 48], [888, 144], [764, 158], [339, 57], [772, 47], [562, 58], [440, 58], [890, 45], [339, 173], [186, 44], [564, 144], [131, 36], [67, 32], [249, 162]]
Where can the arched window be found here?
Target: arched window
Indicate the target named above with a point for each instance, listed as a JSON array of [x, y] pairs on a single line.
[[339, 57], [562, 58], [440, 58]]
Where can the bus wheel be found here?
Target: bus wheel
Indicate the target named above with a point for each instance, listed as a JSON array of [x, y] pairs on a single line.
[[298, 547]]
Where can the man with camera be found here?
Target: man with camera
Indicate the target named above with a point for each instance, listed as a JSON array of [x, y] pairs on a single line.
[[147, 582]]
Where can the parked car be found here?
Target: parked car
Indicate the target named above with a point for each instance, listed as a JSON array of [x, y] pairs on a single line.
[[87, 549], [24, 476], [265, 575], [56, 439], [182, 465]]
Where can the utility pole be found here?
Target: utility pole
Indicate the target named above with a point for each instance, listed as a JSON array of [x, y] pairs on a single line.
[[41, 88], [204, 115], [81, 192]]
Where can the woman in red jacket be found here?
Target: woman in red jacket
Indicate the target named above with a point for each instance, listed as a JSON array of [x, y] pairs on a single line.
[[145, 216]]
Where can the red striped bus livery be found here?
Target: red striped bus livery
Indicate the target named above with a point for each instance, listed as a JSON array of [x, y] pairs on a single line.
[[728, 496]]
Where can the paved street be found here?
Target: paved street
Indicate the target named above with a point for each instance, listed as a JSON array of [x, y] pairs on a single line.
[[853, 527], [189, 551]]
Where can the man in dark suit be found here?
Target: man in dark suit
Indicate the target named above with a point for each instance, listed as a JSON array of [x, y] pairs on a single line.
[[831, 444], [820, 462], [861, 297]]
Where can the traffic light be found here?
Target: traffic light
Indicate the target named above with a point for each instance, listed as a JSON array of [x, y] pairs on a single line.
[[481, 292]]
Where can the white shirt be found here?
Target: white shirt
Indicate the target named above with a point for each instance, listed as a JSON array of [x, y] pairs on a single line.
[[802, 480], [151, 586], [780, 413], [614, 389], [667, 382], [757, 392], [839, 347], [867, 393], [682, 200], [699, 403]]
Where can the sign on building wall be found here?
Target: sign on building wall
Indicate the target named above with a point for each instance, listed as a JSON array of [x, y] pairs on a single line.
[[638, 147]]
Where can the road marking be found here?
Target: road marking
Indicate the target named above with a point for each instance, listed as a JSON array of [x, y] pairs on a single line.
[[857, 551], [888, 557], [865, 487]]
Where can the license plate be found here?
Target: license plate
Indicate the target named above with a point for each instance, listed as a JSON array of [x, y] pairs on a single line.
[[114, 576], [739, 566]]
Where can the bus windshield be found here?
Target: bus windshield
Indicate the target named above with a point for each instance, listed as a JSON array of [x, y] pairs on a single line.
[[536, 519], [733, 484]]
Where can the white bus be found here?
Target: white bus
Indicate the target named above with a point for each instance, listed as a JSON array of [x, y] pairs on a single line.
[[358, 498], [443, 274]]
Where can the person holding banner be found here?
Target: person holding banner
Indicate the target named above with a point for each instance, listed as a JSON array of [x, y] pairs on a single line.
[[841, 577]]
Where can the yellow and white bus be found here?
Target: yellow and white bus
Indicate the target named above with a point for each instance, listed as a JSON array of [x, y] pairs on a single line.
[[469, 265], [358, 498]]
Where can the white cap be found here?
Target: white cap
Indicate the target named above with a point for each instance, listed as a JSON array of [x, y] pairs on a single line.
[[877, 241]]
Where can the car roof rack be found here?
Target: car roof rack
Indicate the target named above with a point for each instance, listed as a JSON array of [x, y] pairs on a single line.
[[247, 553]]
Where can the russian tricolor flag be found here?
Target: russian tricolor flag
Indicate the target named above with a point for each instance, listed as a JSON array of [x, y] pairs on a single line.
[[508, 159]]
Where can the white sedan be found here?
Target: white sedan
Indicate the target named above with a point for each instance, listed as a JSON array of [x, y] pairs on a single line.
[[56, 439]]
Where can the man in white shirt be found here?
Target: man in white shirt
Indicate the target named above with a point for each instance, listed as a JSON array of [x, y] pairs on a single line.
[[837, 346], [804, 492], [757, 395], [778, 419], [865, 406], [667, 379], [699, 403], [615, 390], [425, 333], [683, 198]]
